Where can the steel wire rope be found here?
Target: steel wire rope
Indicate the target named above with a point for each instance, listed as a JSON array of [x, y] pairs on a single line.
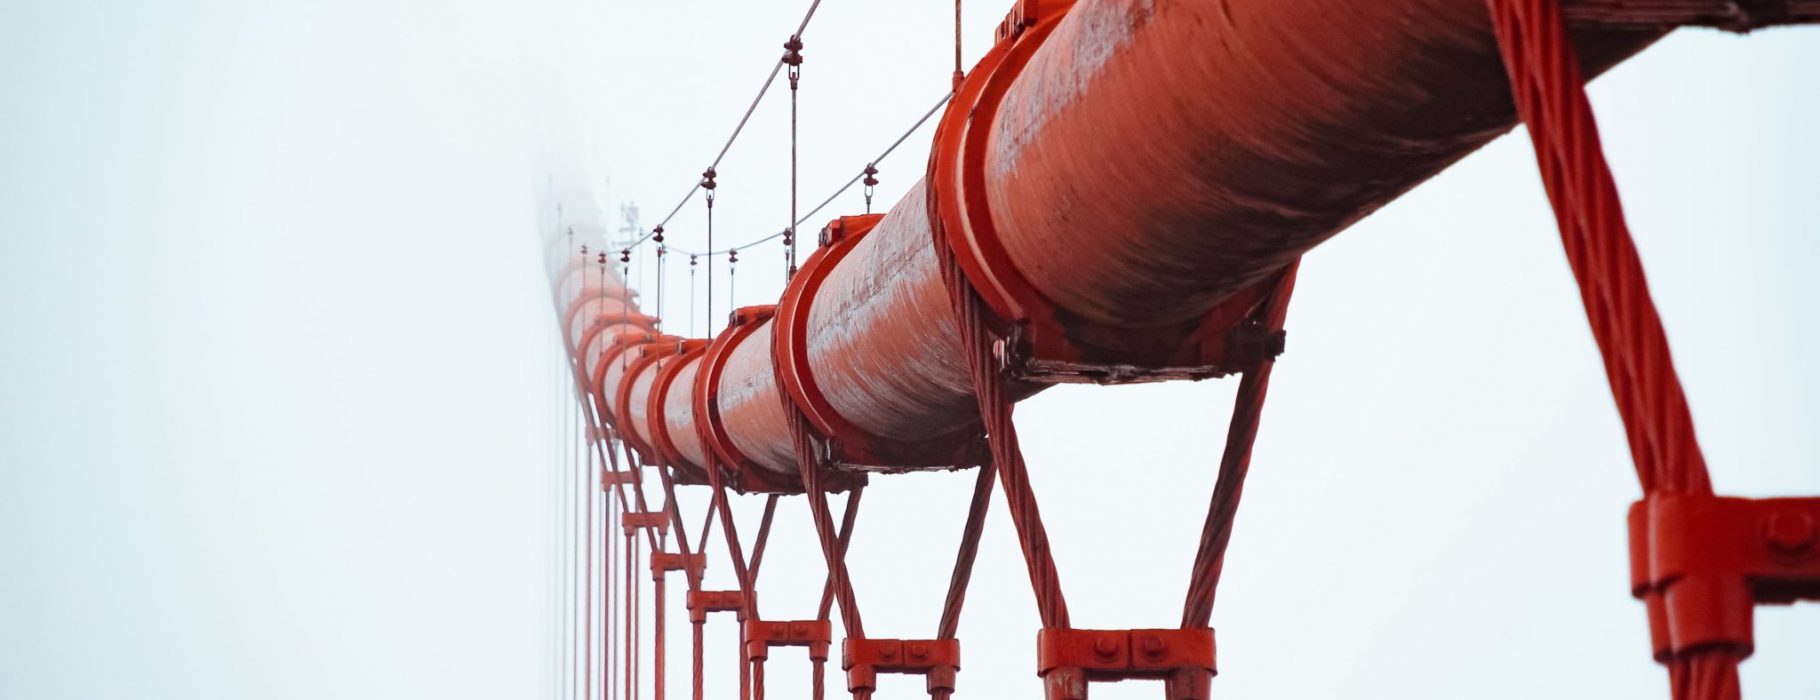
[[862, 174], [737, 128]]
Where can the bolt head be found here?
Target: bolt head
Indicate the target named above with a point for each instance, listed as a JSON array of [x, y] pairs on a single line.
[[1152, 646], [1789, 532], [1104, 647], [918, 650]]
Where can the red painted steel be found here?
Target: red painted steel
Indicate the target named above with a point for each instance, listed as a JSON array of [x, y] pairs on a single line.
[[666, 383], [1199, 163], [632, 400], [1701, 623], [1702, 563], [678, 414], [1113, 192], [591, 304]]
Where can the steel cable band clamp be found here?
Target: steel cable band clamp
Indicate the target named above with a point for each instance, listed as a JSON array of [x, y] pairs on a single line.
[[661, 440], [848, 444], [653, 520], [1044, 342], [700, 603], [666, 562], [938, 660], [742, 474], [610, 478], [643, 356], [618, 311], [621, 344], [761, 635], [1184, 658], [604, 320], [1701, 563]]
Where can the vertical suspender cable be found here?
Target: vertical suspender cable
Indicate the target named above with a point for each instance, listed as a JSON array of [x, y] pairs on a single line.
[[579, 579], [958, 73], [1548, 88], [606, 593], [629, 618], [588, 539], [793, 57], [568, 543], [601, 446], [707, 183]]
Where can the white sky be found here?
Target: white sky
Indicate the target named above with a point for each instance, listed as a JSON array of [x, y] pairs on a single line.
[[280, 404]]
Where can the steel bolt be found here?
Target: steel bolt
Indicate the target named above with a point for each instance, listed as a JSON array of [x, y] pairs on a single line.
[[1104, 647], [1153, 646], [918, 650], [1789, 532]]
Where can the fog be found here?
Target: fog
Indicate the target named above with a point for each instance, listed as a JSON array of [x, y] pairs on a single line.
[[282, 411]]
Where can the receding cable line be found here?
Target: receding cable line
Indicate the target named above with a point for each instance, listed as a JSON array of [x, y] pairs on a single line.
[[881, 157], [741, 126], [837, 193]]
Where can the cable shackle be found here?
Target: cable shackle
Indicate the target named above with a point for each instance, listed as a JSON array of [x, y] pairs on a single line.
[[793, 57], [871, 181]]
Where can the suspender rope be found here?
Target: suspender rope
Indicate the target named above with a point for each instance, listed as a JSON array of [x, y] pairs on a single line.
[[1548, 89], [1235, 462], [708, 184], [793, 57], [1699, 562]]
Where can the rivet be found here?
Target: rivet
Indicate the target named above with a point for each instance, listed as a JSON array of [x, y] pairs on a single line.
[[1789, 532]]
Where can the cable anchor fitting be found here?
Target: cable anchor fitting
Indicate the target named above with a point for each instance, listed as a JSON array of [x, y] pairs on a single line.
[[870, 182], [793, 57]]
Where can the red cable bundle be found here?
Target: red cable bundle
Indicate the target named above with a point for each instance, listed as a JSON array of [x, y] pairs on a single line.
[[1550, 96]]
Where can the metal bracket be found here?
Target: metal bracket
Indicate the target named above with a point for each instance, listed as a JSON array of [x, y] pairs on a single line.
[[701, 603], [761, 635], [1701, 563], [1068, 659], [935, 659], [659, 521], [666, 562]]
